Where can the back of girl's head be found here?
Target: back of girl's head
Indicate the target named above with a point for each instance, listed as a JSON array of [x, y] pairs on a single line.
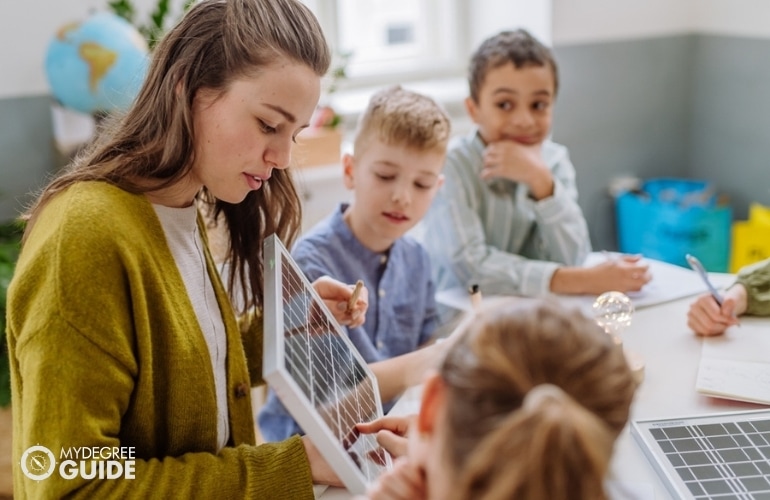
[[536, 398], [518, 47], [400, 117]]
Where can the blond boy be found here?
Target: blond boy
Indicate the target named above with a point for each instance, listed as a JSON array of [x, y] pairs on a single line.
[[394, 172]]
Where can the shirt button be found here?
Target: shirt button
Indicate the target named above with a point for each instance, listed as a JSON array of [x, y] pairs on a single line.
[[382, 292], [380, 345], [383, 259], [241, 390]]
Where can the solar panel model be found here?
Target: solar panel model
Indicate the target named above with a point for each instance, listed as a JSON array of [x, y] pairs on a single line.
[[318, 374], [721, 456]]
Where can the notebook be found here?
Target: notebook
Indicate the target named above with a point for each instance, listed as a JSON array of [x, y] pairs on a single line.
[[736, 365]]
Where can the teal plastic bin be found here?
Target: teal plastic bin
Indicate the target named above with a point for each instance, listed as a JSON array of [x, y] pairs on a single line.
[[668, 218]]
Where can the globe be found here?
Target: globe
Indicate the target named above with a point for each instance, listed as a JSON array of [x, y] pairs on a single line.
[[97, 65]]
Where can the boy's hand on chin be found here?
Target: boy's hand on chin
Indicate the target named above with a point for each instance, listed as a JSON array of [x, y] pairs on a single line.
[[519, 162], [513, 161]]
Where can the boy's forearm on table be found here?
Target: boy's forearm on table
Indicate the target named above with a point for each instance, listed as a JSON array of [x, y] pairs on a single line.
[[569, 280]]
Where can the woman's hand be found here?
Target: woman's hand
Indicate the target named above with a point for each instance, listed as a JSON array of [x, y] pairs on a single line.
[[707, 318], [320, 470], [336, 295], [391, 433]]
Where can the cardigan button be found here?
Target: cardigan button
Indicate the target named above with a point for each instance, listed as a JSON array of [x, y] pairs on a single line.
[[241, 390]]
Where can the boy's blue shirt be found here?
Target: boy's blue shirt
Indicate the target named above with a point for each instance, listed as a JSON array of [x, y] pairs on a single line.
[[402, 309]]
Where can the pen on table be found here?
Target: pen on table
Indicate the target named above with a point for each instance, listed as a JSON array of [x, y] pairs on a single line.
[[475, 293], [354, 296]]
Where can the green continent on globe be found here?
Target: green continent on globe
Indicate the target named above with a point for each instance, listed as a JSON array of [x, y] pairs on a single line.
[[99, 61]]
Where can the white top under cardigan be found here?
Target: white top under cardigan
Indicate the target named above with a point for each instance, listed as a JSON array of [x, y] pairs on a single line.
[[186, 244]]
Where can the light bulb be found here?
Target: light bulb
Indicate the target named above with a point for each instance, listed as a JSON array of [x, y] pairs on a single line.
[[613, 312]]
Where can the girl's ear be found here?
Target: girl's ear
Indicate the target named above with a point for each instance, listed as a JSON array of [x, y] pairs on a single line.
[[348, 166], [472, 108], [424, 431], [433, 401]]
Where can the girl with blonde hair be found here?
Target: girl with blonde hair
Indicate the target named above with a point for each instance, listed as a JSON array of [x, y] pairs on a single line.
[[527, 404]]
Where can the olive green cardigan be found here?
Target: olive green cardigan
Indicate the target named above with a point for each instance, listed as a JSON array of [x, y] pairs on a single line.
[[756, 279], [106, 350]]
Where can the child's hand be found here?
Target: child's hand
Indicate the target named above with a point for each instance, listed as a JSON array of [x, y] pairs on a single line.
[[405, 482], [336, 296], [706, 318], [624, 274], [519, 163], [391, 433]]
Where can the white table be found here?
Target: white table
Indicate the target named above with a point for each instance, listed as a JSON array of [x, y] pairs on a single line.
[[659, 334], [671, 353]]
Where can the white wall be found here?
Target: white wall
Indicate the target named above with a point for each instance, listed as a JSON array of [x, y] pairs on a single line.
[[582, 21], [748, 18], [27, 26], [492, 16]]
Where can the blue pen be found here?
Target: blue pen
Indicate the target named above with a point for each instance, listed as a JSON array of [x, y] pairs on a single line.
[[698, 267]]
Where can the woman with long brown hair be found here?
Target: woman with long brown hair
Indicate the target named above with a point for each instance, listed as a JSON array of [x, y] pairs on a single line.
[[121, 333]]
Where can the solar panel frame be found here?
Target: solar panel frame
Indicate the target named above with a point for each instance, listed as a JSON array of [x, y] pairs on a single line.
[[663, 460], [355, 476]]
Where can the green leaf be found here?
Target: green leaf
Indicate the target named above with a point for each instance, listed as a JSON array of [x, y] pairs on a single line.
[[159, 14], [154, 28], [124, 9], [10, 237], [5, 376]]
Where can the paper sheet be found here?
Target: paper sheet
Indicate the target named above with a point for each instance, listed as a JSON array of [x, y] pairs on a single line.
[[736, 365], [669, 282]]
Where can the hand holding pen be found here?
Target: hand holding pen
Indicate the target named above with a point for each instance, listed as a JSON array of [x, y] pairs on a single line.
[[698, 268], [712, 313], [348, 303]]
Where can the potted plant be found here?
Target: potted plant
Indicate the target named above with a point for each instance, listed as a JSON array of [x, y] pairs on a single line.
[[153, 29], [10, 243]]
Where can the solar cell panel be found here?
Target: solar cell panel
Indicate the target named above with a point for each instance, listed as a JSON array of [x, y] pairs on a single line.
[[317, 373], [714, 456]]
